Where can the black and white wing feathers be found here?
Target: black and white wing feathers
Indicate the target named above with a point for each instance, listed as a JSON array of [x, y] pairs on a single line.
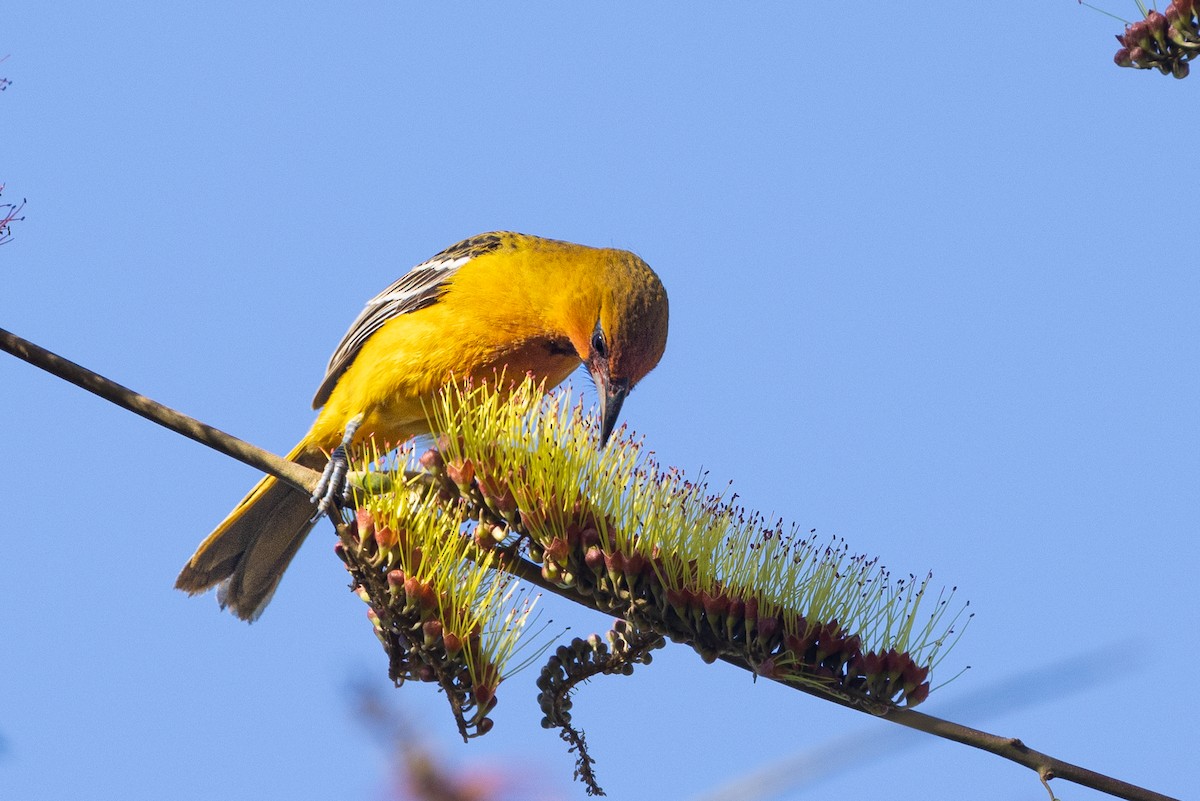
[[420, 287]]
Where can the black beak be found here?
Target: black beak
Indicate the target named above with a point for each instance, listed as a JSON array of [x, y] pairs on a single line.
[[612, 395]]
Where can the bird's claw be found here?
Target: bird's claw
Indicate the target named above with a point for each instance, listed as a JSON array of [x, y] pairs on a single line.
[[332, 490]]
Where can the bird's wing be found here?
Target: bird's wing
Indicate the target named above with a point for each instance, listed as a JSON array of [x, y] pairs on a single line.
[[421, 286]]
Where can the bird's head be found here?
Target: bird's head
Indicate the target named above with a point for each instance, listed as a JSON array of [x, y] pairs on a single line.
[[626, 335]]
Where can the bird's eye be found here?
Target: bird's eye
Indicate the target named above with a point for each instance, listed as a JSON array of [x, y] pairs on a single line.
[[599, 346]]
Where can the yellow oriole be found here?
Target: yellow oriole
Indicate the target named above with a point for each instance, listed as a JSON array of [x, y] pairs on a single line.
[[495, 301]]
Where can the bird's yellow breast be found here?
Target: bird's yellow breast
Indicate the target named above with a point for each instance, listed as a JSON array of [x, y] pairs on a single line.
[[400, 368]]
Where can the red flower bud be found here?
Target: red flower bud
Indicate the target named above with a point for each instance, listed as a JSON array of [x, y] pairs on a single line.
[[1137, 34], [484, 694], [768, 628], [432, 460], [386, 538], [462, 474], [593, 557], [715, 604], [556, 550], [589, 536], [413, 590], [737, 609], [1157, 25], [912, 675], [364, 523], [432, 631], [918, 695], [680, 600], [498, 494]]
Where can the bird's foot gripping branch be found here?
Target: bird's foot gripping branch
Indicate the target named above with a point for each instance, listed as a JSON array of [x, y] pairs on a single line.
[[517, 487]]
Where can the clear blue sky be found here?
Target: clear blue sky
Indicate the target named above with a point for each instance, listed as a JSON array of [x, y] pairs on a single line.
[[932, 290]]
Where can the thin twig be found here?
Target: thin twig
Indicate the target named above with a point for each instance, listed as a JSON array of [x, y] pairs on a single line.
[[300, 477], [1010, 748]]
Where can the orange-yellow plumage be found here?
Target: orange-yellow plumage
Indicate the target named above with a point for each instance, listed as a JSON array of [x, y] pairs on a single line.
[[499, 301]]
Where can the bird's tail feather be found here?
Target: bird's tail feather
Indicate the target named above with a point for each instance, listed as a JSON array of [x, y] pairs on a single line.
[[249, 551]]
